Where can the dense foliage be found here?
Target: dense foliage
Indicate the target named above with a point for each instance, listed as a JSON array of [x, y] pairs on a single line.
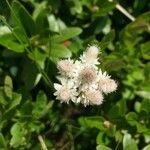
[[34, 35]]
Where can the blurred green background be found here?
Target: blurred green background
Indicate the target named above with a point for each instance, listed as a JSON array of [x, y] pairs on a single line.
[[34, 35]]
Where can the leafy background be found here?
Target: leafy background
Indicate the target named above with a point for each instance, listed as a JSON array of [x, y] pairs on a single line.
[[34, 35]]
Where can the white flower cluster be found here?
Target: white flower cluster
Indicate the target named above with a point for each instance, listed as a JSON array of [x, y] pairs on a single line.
[[82, 81]]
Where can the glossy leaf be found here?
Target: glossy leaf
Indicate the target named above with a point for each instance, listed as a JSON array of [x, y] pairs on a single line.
[[40, 105], [130, 35], [146, 147], [8, 87], [102, 147], [92, 122], [9, 41], [16, 99], [129, 143], [22, 18], [67, 34], [18, 134], [59, 51]]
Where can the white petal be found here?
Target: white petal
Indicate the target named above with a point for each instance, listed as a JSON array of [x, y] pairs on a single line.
[[57, 86], [78, 99]]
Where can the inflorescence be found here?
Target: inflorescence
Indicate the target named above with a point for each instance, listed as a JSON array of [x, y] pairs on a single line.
[[81, 81]]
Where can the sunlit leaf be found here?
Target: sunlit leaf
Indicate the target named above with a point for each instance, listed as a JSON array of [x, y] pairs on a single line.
[[102, 147], [129, 143], [40, 104], [67, 34], [9, 41], [18, 133], [92, 122], [8, 88]]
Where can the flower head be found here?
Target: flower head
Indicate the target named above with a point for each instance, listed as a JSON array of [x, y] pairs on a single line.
[[65, 67], [107, 85], [94, 97], [65, 91], [90, 56], [63, 94], [92, 52], [81, 81], [87, 75]]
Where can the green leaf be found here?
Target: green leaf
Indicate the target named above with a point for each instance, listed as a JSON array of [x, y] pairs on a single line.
[[104, 7], [132, 118], [118, 110], [146, 136], [59, 51], [20, 35], [114, 63], [66, 34], [3, 99], [40, 105], [3, 122], [2, 141], [102, 147], [26, 109], [107, 39], [8, 88], [18, 135], [40, 8], [102, 138], [146, 147], [36, 126], [40, 18], [22, 18], [9, 41], [147, 71], [145, 50], [92, 122], [145, 105], [16, 99], [76, 8], [144, 94], [30, 73], [53, 23], [75, 46], [4, 30], [129, 143], [141, 128], [39, 57], [130, 36], [137, 106], [118, 136]]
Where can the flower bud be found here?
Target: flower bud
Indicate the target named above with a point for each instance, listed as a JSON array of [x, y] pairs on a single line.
[[87, 75]]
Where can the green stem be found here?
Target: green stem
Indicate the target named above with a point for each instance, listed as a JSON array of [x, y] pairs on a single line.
[[43, 145]]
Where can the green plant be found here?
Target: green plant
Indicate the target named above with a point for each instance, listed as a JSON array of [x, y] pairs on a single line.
[[34, 36]]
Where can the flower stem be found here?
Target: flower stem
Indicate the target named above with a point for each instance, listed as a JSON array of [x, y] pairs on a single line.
[[125, 12], [43, 145]]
